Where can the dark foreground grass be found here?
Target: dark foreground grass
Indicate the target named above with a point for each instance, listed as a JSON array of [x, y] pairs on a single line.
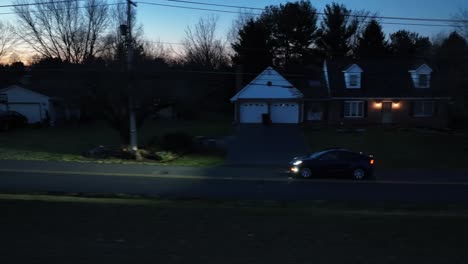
[[68, 143], [82, 230], [398, 149]]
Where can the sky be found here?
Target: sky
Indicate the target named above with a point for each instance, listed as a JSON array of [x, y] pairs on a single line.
[[168, 24]]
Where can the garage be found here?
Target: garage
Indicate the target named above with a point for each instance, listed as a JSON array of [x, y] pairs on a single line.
[[269, 93], [31, 111], [287, 113], [34, 106], [251, 112]]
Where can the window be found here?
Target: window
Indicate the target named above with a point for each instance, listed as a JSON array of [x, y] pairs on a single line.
[[423, 108], [423, 81], [3, 98], [353, 80], [353, 109], [330, 156]]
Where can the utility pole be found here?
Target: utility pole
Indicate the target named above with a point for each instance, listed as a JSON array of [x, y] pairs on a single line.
[[131, 106]]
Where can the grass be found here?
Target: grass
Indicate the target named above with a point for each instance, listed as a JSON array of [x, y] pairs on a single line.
[[68, 143], [37, 229], [398, 149]]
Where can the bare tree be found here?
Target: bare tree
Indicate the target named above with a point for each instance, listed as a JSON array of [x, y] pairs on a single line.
[[362, 18], [155, 50], [66, 30], [114, 42], [245, 15], [461, 26], [202, 48], [7, 39]]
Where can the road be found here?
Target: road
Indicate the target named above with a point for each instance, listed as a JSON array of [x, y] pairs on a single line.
[[221, 183]]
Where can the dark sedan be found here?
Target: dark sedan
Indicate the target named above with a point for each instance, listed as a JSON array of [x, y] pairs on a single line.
[[334, 163]]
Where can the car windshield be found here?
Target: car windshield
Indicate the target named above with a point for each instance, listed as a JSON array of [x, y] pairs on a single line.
[[317, 154]]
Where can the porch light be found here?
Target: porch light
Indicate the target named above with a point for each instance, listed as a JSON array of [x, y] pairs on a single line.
[[378, 105], [396, 104]]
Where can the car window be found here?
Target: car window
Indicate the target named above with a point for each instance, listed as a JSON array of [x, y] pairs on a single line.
[[330, 156], [348, 156], [316, 154]]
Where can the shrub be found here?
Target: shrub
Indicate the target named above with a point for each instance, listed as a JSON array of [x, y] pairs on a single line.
[[177, 141]]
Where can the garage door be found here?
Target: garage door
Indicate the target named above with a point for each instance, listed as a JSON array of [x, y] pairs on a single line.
[[285, 113], [252, 112], [31, 111]]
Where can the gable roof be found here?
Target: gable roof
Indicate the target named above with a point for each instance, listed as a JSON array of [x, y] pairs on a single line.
[[382, 78], [13, 87], [268, 85]]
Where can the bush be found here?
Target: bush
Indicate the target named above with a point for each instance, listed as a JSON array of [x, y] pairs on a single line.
[[177, 141]]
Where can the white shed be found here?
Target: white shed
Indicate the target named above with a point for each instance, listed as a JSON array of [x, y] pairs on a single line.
[[35, 106], [269, 93]]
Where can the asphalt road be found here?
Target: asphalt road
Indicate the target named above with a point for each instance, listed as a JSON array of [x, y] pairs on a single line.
[[172, 182]]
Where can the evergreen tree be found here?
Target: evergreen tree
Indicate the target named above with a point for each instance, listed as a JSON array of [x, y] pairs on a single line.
[[372, 43], [336, 30]]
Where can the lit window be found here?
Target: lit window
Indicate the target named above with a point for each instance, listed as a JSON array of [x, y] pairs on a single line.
[[354, 109]]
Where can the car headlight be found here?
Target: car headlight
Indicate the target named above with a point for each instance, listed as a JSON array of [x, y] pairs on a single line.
[[297, 162]]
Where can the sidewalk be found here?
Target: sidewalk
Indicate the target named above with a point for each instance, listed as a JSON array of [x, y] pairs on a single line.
[[407, 175]]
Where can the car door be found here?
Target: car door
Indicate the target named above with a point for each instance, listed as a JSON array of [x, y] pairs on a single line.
[[345, 163], [329, 164]]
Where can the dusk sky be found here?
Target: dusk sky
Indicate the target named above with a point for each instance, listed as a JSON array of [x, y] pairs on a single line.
[[167, 24]]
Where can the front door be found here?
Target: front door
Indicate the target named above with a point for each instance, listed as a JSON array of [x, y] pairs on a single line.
[[387, 112]]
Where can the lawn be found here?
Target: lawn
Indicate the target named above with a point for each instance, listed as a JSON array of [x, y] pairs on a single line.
[[398, 148], [71, 230], [68, 143]]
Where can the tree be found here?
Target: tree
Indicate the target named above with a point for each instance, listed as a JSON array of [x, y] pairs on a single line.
[[372, 43], [66, 29], [461, 26], [404, 43], [451, 58], [202, 48], [293, 30], [252, 48], [7, 39], [336, 30]]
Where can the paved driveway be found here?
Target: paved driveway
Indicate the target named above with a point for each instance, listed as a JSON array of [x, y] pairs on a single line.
[[266, 145]]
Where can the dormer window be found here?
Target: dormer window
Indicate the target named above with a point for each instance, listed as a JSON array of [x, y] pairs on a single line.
[[353, 80], [352, 76], [421, 76], [423, 80]]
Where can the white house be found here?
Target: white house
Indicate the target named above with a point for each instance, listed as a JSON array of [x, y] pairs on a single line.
[[269, 93], [35, 106]]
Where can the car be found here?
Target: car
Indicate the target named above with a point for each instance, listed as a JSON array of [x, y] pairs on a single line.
[[334, 163], [11, 119]]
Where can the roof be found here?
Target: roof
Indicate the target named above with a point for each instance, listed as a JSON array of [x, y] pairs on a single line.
[[382, 78], [268, 85], [310, 82], [12, 87]]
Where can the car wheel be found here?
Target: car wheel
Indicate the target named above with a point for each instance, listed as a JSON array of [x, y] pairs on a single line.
[[359, 174], [306, 173]]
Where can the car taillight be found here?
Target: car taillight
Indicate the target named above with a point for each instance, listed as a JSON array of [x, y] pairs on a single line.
[[371, 162]]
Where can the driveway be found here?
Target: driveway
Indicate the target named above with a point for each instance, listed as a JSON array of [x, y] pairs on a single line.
[[273, 145]]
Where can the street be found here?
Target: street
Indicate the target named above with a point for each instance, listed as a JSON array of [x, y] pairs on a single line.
[[219, 183]]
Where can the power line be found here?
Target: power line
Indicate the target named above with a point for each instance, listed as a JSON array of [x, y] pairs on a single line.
[[46, 3], [320, 13], [57, 9], [257, 14]]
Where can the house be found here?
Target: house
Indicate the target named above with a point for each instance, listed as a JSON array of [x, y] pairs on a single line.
[[349, 92], [36, 107], [389, 91], [269, 93]]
